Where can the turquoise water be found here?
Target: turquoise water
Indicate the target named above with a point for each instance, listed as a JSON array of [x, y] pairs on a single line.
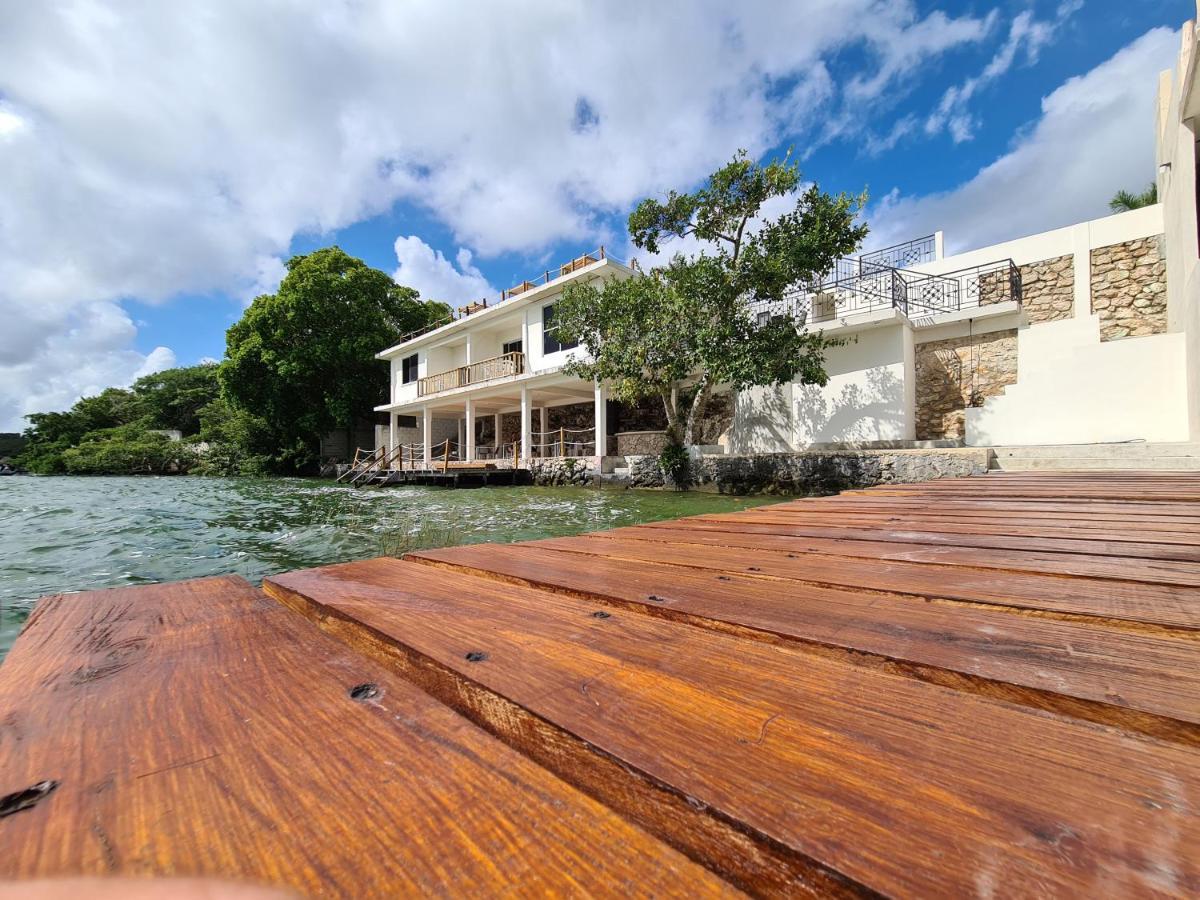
[[75, 534]]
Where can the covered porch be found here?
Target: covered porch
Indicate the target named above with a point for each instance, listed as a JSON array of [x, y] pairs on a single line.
[[508, 425]]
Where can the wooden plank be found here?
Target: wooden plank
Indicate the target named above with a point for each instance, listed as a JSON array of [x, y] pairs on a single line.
[[1127, 603], [1164, 572], [900, 786], [201, 729], [1140, 682], [1176, 515], [745, 524], [1032, 526]]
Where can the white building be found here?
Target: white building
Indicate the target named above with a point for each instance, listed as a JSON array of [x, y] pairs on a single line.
[[1079, 335]]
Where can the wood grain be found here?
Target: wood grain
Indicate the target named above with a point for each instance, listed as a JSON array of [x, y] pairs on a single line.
[[900, 786], [1136, 681], [201, 729]]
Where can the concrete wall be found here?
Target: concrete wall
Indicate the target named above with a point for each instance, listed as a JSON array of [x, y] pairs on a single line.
[[870, 394], [1072, 389], [1178, 115]]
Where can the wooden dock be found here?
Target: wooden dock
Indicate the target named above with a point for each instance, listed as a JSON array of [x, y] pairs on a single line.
[[978, 687]]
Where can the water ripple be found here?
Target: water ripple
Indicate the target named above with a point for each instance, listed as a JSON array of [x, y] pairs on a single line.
[[74, 534]]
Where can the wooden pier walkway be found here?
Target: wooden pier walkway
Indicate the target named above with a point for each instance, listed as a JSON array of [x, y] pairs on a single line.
[[978, 687]]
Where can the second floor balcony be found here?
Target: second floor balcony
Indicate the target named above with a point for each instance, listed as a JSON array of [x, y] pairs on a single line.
[[503, 366]]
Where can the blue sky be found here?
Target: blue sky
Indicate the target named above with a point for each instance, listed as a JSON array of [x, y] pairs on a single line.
[[163, 160]]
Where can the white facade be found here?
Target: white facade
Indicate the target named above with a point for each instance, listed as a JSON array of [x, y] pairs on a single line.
[[495, 362], [1068, 379]]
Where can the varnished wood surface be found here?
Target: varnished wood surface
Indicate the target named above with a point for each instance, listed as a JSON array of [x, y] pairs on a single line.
[[901, 786], [979, 687], [201, 729]]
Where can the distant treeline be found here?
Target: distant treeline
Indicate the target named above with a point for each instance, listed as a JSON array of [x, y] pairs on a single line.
[[299, 364]]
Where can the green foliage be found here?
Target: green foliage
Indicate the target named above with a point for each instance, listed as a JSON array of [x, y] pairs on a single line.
[[172, 398], [303, 359], [689, 321], [127, 450], [676, 466], [11, 444], [112, 433], [1124, 201]]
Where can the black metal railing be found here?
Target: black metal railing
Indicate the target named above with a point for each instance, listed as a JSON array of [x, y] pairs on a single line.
[[905, 255], [916, 294]]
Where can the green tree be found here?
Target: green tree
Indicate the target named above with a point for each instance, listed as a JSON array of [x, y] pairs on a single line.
[[1124, 201], [303, 359], [173, 398], [689, 323]]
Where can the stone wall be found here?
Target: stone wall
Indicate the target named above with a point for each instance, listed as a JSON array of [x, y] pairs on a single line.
[[1048, 289], [640, 443], [816, 472], [1129, 289], [960, 372], [569, 471]]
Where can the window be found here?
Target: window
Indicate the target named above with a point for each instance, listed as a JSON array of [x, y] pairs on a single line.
[[550, 343], [512, 347], [406, 421], [408, 369]]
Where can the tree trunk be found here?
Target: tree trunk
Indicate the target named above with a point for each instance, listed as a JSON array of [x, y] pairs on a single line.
[[696, 411], [674, 432]]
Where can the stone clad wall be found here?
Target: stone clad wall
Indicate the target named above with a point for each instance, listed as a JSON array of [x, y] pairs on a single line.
[[1129, 289], [945, 386], [816, 472], [1048, 289]]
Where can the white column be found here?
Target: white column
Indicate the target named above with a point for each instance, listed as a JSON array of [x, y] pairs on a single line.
[[601, 424], [1081, 246], [496, 433], [427, 433], [470, 358], [461, 442], [526, 422], [391, 433], [939, 245], [470, 457], [543, 426]]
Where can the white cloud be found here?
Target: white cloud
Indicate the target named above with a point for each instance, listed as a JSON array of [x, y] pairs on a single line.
[[435, 277], [1024, 33], [151, 149], [1095, 136], [268, 273], [88, 352]]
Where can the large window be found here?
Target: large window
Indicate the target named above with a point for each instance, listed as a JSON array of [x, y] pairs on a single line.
[[408, 369], [511, 347], [550, 342]]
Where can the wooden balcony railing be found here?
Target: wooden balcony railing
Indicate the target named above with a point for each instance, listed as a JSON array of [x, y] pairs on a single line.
[[484, 370]]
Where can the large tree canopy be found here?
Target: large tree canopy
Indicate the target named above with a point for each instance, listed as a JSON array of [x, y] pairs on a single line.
[[303, 358], [691, 320]]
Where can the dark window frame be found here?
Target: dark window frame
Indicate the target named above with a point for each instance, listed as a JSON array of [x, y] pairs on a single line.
[[409, 368], [512, 347], [551, 344]]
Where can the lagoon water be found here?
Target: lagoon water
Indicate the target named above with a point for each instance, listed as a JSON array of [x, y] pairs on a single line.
[[71, 534]]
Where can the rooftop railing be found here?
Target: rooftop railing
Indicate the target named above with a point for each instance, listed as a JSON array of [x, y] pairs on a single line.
[[561, 271], [916, 294]]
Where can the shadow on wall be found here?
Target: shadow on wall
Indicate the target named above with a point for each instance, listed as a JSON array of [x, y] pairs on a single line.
[[762, 420], [870, 411]]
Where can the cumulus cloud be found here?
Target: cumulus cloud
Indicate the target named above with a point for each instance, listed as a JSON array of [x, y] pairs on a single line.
[[151, 149], [1095, 136], [88, 352], [437, 278]]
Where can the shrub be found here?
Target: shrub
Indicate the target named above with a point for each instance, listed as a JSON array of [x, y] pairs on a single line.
[[676, 466]]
